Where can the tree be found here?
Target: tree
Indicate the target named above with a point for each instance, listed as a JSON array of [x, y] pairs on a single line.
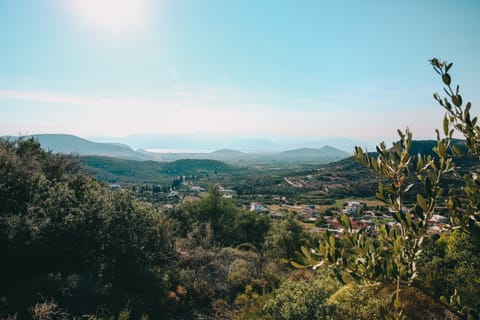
[[299, 299], [65, 236], [284, 237], [391, 258]]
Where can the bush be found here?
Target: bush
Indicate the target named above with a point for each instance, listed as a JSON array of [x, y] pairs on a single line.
[[299, 299]]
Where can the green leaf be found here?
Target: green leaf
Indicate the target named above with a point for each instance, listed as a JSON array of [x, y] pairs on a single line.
[[448, 66], [380, 196], [421, 202], [446, 79], [457, 100], [306, 253], [419, 159], [331, 240], [297, 265], [346, 278], [442, 149], [345, 221], [446, 125]]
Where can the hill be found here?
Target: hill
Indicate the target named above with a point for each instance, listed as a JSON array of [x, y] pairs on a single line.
[[425, 147], [324, 155], [227, 153], [348, 178], [110, 169], [70, 144]]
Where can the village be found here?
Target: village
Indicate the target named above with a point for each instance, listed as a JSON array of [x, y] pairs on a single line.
[[364, 214], [320, 219]]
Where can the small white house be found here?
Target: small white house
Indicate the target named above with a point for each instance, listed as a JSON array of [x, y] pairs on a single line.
[[353, 207], [196, 189], [174, 194], [258, 207]]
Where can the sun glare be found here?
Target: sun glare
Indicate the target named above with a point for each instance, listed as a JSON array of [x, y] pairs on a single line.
[[112, 16]]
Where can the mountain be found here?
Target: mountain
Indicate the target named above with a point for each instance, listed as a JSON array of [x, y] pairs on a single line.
[[348, 178], [227, 154], [70, 144], [324, 154], [214, 142]]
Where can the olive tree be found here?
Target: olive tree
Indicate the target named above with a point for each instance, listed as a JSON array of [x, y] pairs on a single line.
[[390, 258]]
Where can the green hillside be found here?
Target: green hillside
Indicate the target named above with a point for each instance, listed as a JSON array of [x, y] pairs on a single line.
[[189, 166], [122, 170], [70, 144]]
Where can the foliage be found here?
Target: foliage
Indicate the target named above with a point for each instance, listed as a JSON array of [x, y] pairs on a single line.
[[284, 237], [355, 302], [190, 166], [67, 240], [451, 263], [299, 299], [464, 204], [230, 225], [64, 235], [391, 256]]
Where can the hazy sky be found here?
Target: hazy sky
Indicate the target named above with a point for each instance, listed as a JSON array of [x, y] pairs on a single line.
[[232, 67]]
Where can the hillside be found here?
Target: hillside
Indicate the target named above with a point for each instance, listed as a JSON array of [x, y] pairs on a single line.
[[227, 154], [348, 178], [189, 166], [70, 144], [324, 154], [425, 147], [110, 169]]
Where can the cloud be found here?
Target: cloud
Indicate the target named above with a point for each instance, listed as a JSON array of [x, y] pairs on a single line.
[[43, 96], [215, 110]]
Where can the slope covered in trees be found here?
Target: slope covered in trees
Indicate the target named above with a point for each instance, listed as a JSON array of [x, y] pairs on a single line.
[[73, 248], [70, 245]]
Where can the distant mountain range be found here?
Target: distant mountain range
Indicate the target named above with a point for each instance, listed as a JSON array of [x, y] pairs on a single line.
[[70, 144], [216, 142], [310, 154]]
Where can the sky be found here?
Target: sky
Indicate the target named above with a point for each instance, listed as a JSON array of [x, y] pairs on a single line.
[[239, 68]]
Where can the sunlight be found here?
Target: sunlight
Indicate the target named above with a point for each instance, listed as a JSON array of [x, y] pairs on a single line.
[[112, 16]]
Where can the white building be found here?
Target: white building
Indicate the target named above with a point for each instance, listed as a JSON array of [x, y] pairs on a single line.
[[258, 207], [353, 207]]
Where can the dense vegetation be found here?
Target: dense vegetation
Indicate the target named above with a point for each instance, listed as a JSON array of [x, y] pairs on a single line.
[[68, 241], [71, 247]]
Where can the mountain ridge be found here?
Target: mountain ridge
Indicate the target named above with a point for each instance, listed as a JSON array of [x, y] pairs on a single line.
[[72, 144]]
